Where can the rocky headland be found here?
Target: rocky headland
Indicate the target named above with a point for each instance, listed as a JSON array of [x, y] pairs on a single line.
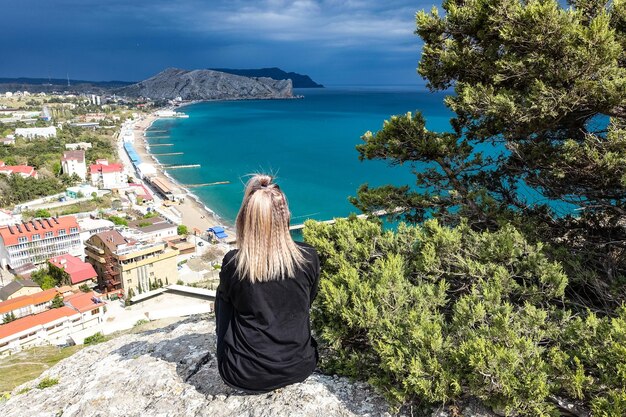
[[207, 85], [172, 371], [298, 80]]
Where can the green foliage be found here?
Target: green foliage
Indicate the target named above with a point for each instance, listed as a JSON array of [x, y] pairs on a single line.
[[182, 230], [94, 339], [84, 288], [60, 276], [532, 81], [14, 189], [180, 282], [8, 318], [431, 313], [47, 382], [120, 221], [57, 302], [150, 214], [42, 213], [43, 279], [156, 284], [141, 322]]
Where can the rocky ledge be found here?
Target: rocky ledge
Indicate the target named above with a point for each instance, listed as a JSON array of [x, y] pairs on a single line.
[[172, 371]]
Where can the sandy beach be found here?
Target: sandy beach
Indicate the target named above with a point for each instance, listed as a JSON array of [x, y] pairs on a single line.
[[193, 213]]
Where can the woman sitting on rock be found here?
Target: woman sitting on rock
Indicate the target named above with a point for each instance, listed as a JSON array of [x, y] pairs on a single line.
[[265, 293]]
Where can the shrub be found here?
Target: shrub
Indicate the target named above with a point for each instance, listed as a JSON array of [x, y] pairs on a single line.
[[119, 221], [429, 313], [141, 321], [47, 382], [94, 339]]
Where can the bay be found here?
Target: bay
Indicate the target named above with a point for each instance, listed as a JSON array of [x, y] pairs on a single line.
[[308, 143]]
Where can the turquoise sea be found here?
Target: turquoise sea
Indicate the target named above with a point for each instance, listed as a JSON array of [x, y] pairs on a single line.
[[308, 143]]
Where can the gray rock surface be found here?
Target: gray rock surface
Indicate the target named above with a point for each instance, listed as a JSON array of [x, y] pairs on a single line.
[[172, 371], [207, 85]]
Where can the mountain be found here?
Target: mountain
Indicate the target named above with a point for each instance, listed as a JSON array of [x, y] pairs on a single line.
[[206, 85], [298, 80]]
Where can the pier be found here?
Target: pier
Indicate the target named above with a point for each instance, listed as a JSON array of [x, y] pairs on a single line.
[[377, 213], [162, 144], [156, 131], [206, 184], [168, 154], [181, 166], [157, 137]]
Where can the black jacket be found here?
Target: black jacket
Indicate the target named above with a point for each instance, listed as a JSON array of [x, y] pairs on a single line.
[[264, 337]]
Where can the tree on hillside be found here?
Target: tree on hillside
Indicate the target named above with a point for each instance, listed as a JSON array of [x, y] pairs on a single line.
[[538, 137]]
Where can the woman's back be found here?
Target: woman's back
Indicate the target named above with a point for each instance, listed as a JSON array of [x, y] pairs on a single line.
[[266, 289], [265, 340]]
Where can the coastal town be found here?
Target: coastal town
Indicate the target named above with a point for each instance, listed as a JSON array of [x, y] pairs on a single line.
[[95, 237]]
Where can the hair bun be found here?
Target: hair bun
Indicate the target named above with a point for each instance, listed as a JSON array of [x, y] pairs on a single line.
[[263, 180]]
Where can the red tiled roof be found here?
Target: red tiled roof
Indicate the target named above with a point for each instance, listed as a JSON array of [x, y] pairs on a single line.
[[35, 320], [94, 169], [10, 234], [18, 169], [83, 301], [78, 270], [26, 300]]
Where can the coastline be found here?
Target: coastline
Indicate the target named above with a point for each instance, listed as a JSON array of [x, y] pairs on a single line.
[[192, 211]]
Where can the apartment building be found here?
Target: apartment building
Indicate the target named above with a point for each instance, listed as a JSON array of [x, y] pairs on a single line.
[[73, 162], [155, 228], [80, 317], [124, 264], [38, 240], [107, 175], [26, 305]]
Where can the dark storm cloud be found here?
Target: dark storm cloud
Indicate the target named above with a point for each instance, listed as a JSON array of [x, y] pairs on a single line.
[[333, 41]]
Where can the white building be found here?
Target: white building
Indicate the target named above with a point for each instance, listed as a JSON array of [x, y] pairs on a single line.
[[89, 227], [33, 132], [73, 162], [80, 317], [78, 145], [38, 240], [154, 229], [106, 175], [8, 218], [146, 170]]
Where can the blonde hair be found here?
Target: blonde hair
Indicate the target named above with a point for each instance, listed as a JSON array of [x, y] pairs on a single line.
[[266, 250]]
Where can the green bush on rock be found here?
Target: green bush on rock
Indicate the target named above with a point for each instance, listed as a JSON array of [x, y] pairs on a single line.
[[429, 313]]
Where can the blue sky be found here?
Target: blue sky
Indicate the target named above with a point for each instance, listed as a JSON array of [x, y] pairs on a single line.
[[335, 42]]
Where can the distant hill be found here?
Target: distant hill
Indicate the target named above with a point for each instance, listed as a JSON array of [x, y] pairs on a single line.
[[48, 85], [206, 85], [298, 80]]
